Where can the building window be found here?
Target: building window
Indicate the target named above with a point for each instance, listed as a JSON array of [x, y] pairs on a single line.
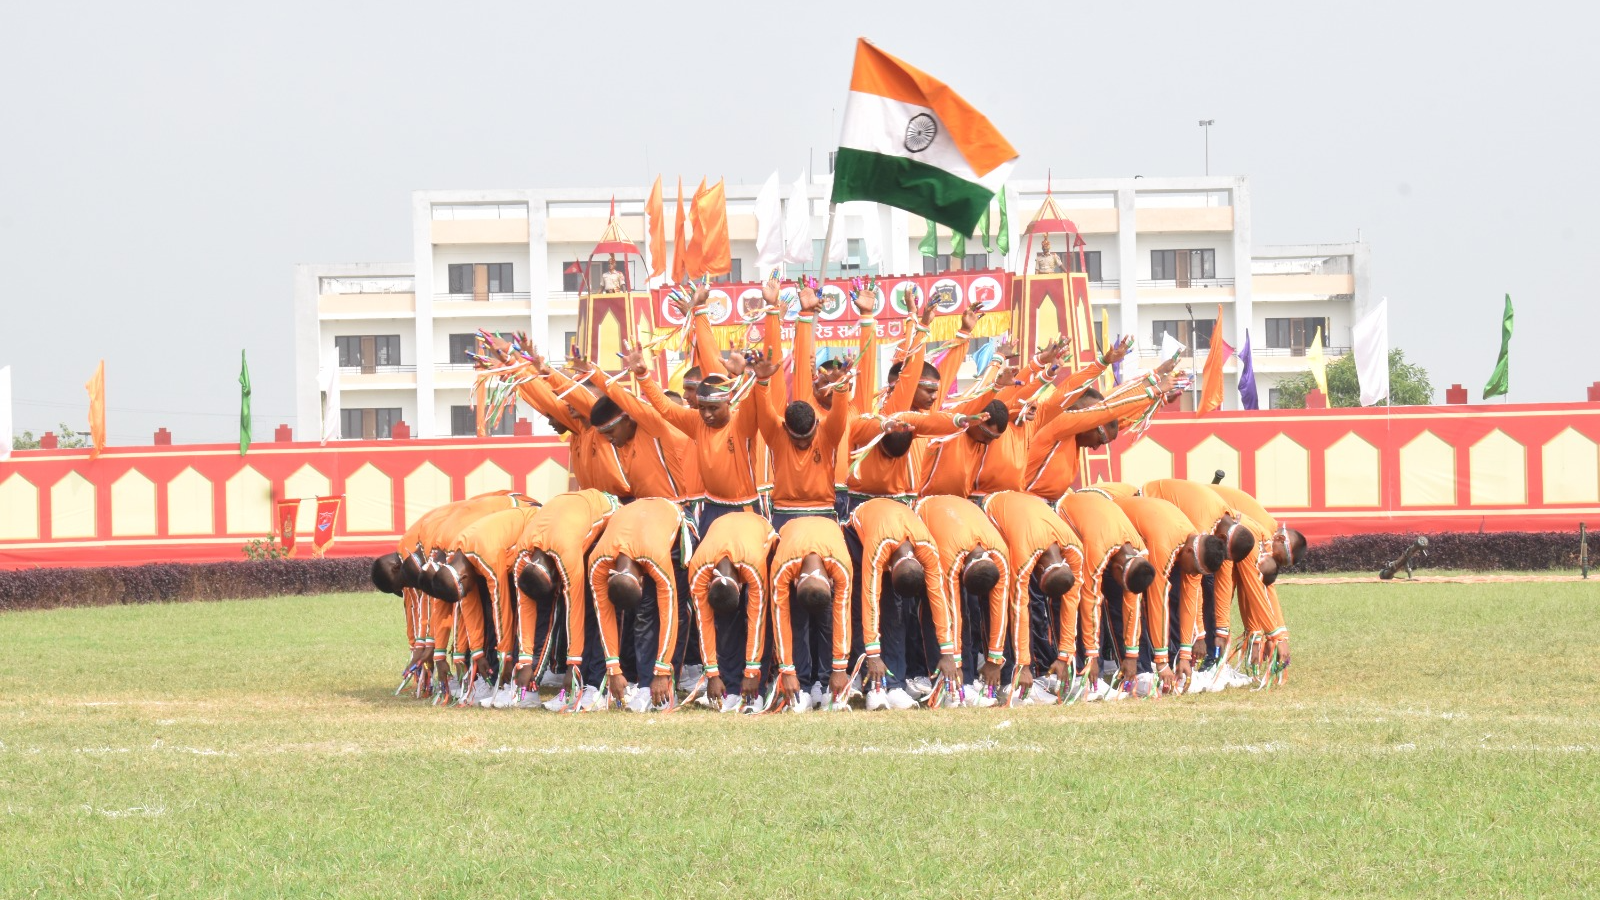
[[854, 262], [570, 339], [464, 422], [480, 279], [735, 273], [367, 351], [1194, 335], [1090, 265], [932, 265], [1295, 335], [462, 346], [368, 424], [1272, 398], [1182, 266]]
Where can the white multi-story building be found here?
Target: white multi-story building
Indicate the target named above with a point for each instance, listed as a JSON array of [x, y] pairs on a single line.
[[1160, 253]]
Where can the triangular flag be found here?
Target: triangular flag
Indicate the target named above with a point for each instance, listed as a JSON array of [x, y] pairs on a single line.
[[1216, 357], [797, 225], [929, 245], [656, 228], [693, 254], [244, 404], [1370, 344], [1248, 398], [680, 246], [1500, 380], [711, 231], [97, 409], [1003, 231], [1319, 366], [769, 227]]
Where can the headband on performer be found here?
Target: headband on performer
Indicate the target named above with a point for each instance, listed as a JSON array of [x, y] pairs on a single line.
[[608, 426]]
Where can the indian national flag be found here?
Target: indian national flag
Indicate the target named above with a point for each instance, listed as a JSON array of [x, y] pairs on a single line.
[[912, 142]]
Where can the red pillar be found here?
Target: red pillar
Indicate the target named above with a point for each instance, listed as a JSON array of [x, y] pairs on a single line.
[[283, 434], [1315, 399], [1594, 392], [1455, 394], [162, 438], [524, 428], [400, 431], [47, 441]]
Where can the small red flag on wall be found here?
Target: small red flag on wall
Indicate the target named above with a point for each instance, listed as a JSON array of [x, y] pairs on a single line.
[[287, 511], [327, 518]]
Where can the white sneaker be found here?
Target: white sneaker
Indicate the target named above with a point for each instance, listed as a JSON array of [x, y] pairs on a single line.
[[819, 694], [1099, 690], [506, 697], [688, 676], [977, 694], [591, 699], [1145, 684], [877, 698], [1050, 683], [528, 699], [1199, 682], [556, 703], [801, 702], [730, 702], [1040, 695], [636, 698], [919, 687], [899, 699], [759, 704], [553, 680], [1239, 679], [481, 690], [453, 689]]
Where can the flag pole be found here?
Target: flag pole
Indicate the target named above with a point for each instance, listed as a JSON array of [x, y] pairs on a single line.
[[827, 242]]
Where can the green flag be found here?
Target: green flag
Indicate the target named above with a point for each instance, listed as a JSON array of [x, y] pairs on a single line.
[[958, 246], [244, 404], [983, 229], [930, 241], [1003, 233], [1500, 381]]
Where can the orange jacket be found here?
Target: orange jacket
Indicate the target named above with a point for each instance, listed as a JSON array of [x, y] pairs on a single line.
[[1246, 504], [725, 456], [880, 475], [1258, 602], [659, 461], [1204, 507], [489, 544], [802, 479], [646, 531], [565, 529], [744, 539], [1053, 457], [1029, 526], [797, 538], [1104, 529], [959, 527], [881, 525], [1166, 531]]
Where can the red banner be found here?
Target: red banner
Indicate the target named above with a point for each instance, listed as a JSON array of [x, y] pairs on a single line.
[[287, 511], [734, 305], [327, 516]]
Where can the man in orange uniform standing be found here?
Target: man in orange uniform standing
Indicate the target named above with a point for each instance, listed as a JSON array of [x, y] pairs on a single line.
[[1117, 571], [973, 559], [811, 586], [728, 584], [553, 587], [636, 565], [886, 538]]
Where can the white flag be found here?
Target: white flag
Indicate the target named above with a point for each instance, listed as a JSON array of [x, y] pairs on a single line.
[[1371, 339], [769, 227], [871, 233], [328, 382], [839, 244], [5, 412], [797, 225], [1171, 347]]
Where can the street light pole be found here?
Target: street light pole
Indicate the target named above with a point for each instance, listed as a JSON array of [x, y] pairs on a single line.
[[1194, 354], [1206, 124]]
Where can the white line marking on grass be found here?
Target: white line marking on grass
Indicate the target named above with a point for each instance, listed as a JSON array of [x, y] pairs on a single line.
[[1005, 724], [142, 811]]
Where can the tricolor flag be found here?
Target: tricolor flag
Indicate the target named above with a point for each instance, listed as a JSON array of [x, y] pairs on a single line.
[[910, 141]]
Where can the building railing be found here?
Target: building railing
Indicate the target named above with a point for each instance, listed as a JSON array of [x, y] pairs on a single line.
[[1193, 282], [1329, 352], [377, 370], [496, 296], [1111, 285]]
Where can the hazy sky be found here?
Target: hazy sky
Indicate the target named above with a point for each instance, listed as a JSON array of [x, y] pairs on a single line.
[[163, 166]]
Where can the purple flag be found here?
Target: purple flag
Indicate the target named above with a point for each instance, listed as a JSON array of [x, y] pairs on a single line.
[[1247, 377]]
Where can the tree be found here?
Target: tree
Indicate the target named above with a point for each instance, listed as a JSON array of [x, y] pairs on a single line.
[[66, 438], [1408, 384]]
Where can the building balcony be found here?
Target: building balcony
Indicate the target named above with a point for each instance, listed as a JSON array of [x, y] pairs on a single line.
[[516, 303], [1167, 290], [1306, 286], [370, 378], [480, 231], [367, 306], [1105, 291], [1158, 219]]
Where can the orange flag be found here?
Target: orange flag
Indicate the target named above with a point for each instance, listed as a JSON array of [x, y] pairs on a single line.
[[680, 248], [1211, 382], [97, 409], [694, 253], [711, 230], [653, 209]]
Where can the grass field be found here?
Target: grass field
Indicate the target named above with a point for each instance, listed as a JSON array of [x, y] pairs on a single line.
[[1432, 739]]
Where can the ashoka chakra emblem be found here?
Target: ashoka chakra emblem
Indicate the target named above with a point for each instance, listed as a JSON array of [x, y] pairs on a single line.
[[920, 132]]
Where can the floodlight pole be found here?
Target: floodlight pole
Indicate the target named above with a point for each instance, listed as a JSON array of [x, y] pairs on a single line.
[[1206, 124]]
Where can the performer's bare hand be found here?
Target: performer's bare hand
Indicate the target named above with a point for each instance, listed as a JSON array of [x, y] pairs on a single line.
[[969, 318], [1062, 670], [1128, 672], [661, 689], [1184, 670], [751, 689], [1169, 681], [809, 301], [702, 293], [866, 301], [715, 690], [1119, 351], [765, 366], [789, 684], [580, 364], [949, 669], [619, 688], [927, 312], [838, 682], [1166, 366], [1023, 682], [897, 426], [770, 290], [875, 672], [1009, 349], [989, 673], [633, 359]]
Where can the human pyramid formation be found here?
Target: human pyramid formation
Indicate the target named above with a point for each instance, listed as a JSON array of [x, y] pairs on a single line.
[[769, 542]]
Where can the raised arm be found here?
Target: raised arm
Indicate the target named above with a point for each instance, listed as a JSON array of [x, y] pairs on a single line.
[[682, 418]]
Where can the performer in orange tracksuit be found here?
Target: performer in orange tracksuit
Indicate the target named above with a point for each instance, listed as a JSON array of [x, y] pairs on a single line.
[[1182, 557], [1210, 514], [1115, 567], [553, 582], [1053, 457], [886, 537], [1285, 547], [950, 464], [811, 581], [972, 555], [654, 458], [723, 435], [729, 570], [803, 451], [490, 546], [636, 564], [1047, 570]]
